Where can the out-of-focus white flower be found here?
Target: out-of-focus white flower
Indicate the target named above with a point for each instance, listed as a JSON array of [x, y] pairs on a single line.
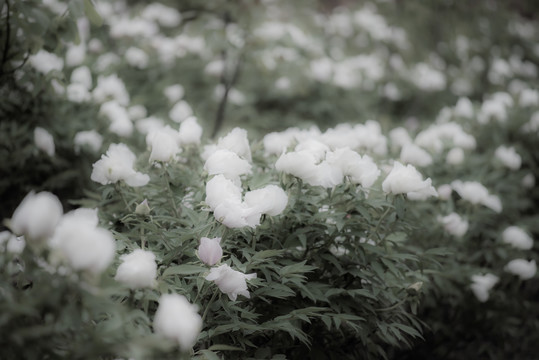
[[230, 281], [210, 251], [164, 143], [16, 245], [137, 112], [521, 267], [36, 216], [117, 164], [518, 238], [44, 62], [476, 193], [482, 284], [174, 93], [455, 156], [508, 157], [78, 93], [137, 270], [413, 154], [75, 54], [321, 69], [214, 68], [528, 181], [227, 163], [120, 123], [44, 141], [399, 137], [180, 111], [454, 224], [90, 138], [270, 200], [82, 75], [464, 108], [427, 78], [444, 191], [147, 125], [79, 241], [177, 319], [190, 132], [407, 180], [110, 88], [529, 97], [166, 16], [137, 57]]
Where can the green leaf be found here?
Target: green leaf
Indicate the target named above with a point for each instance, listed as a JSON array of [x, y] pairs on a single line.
[[183, 270], [92, 14], [223, 347]]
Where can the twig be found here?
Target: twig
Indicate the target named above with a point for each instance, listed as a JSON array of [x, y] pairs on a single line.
[[6, 43]]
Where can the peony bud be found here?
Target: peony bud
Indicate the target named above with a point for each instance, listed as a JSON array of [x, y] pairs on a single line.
[[143, 208], [210, 251]]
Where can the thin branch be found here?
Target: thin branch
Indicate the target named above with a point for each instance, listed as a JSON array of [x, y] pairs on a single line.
[[8, 35]]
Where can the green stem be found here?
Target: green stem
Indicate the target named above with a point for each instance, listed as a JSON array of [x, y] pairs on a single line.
[[209, 304], [394, 306], [170, 193], [142, 240], [119, 191], [380, 221]]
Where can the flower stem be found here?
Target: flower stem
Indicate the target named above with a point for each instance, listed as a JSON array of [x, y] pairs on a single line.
[[119, 191], [170, 193], [209, 304]]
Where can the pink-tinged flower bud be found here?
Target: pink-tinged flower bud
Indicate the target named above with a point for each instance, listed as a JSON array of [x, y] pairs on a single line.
[[209, 251]]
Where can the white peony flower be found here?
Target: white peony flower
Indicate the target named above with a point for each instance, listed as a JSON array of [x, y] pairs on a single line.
[[454, 224], [36, 216], [455, 156], [360, 169], [413, 154], [518, 238], [137, 112], [120, 123], [235, 214], [444, 191], [236, 141], [270, 200], [82, 75], [180, 111], [407, 180], [117, 164], [528, 181], [79, 241], [177, 319], [44, 61], [230, 281], [77, 93], [524, 269], [174, 93], [220, 189], [482, 284], [164, 143], [508, 157], [137, 57], [476, 193], [91, 138], [110, 88], [137, 270], [227, 163], [190, 131], [464, 108], [399, 137], [44, 141], [210, 251]]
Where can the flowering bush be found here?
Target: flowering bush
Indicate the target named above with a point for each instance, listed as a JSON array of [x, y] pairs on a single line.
[[219, 181]]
